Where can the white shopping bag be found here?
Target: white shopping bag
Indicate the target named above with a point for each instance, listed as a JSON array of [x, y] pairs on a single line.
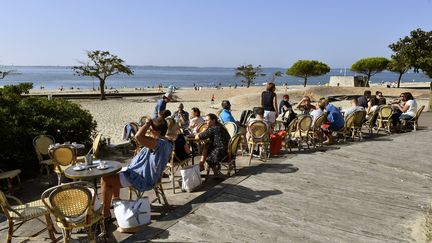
[[131, 214], [191, 177]]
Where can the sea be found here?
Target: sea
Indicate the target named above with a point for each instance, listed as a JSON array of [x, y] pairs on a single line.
[[56, 77]]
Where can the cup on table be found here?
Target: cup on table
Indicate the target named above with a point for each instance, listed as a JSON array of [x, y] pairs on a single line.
[[102, 164], [80, 165], [89, 159]]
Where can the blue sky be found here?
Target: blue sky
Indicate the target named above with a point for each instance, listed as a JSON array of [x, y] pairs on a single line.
[[222, 33]]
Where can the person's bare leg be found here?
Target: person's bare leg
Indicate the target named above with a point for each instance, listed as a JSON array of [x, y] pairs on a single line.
[[110, 189]]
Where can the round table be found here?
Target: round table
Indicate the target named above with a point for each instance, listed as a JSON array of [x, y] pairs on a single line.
[[91, 172]]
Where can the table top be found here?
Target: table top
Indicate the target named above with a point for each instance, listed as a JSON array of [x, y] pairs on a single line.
[[93, 172]]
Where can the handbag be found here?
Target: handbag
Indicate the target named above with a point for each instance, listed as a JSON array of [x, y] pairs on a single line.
[[131, 214], [191, 177]]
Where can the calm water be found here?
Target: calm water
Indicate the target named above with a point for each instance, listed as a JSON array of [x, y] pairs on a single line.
[[144, 76]]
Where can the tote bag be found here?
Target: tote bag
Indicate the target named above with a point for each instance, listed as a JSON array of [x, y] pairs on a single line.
[[131, 214], [191, 177]]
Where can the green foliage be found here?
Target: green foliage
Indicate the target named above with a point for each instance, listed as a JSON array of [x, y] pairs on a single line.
[[416, 49], [102, 64], [398, 64], [249, 73], [275, 75], [308, 68], [370, 66], [22, 119]]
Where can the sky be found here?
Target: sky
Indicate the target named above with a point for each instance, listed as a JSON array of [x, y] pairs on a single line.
[[206, 33]]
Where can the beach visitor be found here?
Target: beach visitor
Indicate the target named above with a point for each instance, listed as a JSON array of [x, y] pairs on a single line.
[[335, 120], [380, 97], [225, 115], [305, 105], [284, 105], [269, 103], [372, 108], [212, 99], [217, 148], [259, 116], [181, 116], [354, 107], [317, 112], [145, 168], [181, 147], [161, 104], [364, 99], [196, 120], [405, 111]]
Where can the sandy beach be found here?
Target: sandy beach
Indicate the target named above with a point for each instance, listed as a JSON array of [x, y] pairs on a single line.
[[112, 114]]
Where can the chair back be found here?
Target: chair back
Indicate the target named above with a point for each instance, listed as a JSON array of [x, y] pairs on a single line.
[[304, 123], [359, 117], [349, 121], [233, 145], [41, 144], [319, 121], [71, 202], [385, 112], [291, 127], [232, 128], [64, 156], [258, 130], [418, 113], [142, 120], [96, 142], [202, 127], [4, 204]]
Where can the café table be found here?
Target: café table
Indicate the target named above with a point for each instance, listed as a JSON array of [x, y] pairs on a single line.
[[91, 172], [192, 140]]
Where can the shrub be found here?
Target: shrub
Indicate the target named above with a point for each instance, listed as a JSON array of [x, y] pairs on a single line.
[[22, 119]]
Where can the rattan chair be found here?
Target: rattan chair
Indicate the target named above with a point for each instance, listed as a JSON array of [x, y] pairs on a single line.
[[414, 120], [356, 128], [384, 119], [174, 164], [94, 150], [74, 205], [41, 144], [259, 136], [158, 190], [316, 132], [346, 130], [230, 159], [63, 156], [23, 212], [289, 132], [232, 128], [301, 134]]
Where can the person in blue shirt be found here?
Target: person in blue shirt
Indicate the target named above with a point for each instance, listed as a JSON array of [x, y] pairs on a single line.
[[145, 168], [225, 115], [335, 120], [161, 105]]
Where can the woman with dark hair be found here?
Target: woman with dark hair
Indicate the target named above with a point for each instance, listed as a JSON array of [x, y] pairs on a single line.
[[269, 103], [218, 138], [196, 120], [145, 168], [407, 111]]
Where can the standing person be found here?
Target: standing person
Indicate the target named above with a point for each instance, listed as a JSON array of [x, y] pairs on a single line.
[[196, 120], [364, 99], [218, 143], [145, 168], [335, 120], [181, 116], [212, 99], [269, 103], [161, 105]]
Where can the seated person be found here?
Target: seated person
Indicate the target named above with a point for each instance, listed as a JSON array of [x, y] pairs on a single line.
[[217, 147], [196, 120], [354, 107], [305, 105], [284, 105], [225, 115], [381, 100], [259, 116], [181, 148], [407, 111], [181, 117], [145, 168], [363, 100], [335, 120], [317, 112]]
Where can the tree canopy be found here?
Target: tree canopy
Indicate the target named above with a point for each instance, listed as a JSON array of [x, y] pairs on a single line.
[[249, 73], [101, 65], [308, 68], [399, 64], [370, 66]]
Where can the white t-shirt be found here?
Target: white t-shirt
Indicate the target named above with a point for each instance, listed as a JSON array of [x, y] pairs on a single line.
[[412, 110], [315, 114]]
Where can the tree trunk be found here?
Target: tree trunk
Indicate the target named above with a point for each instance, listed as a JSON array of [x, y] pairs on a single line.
[[305, 81], [399, 79], [248, 83], [102, 88], [367, 80]]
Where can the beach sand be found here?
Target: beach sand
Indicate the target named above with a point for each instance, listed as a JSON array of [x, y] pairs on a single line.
[[112, 114]]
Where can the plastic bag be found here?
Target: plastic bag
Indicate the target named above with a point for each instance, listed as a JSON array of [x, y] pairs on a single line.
[[191, 177]]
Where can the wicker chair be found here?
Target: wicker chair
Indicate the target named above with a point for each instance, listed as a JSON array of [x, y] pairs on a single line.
[[24, 212], [94, 149], [289, 132], [232, 128], [303, 129], [172, 167], [259, 137], [316, 132], [74, 206], [230, 159], [41, 144], [414, 120], [384, 118], [356, 128], [346, 130], [63, 156], [158, 190]]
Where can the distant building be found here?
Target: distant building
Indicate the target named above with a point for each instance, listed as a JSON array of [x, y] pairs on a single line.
[[348, 81]]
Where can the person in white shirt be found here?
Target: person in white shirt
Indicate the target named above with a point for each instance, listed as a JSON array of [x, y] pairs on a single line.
[[408, 110], [317, 112], [354, 107], [196, 120]]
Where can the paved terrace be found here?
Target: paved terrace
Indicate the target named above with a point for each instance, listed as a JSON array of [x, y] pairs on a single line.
[[372, 191]]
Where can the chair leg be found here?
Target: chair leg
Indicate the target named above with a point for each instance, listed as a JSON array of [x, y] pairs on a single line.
[[10, 232], [59, 178], [66, 235], [251, 147], [50, 227], [90, 234]]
